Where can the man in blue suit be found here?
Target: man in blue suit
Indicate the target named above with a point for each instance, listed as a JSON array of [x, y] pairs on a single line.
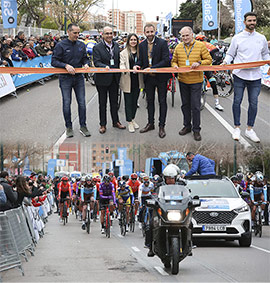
[[154, 53], [200, 164]]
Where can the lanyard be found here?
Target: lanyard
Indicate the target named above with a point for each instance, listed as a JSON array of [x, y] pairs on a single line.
[[109, 49], [190, 49]]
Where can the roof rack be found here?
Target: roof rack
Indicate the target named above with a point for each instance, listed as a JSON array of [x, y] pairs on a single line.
[[204, 177]]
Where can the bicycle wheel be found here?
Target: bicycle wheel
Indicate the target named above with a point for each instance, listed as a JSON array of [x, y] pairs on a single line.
[[95, 212], [123, 223], [88, 222], [132, 220], [203, 98], [108, 225], [173, 90], [224, 83], [260, 225]]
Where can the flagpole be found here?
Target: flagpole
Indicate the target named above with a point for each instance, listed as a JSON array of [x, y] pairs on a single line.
[[219, 24]]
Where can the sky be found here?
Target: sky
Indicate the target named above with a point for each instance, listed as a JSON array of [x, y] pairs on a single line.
[[151, 8]]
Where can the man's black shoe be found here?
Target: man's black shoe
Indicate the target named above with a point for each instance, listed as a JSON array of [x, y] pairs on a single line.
[[184, 131], [56, 212], [147, 128], [162, 132], [150, 253], [197, 136]]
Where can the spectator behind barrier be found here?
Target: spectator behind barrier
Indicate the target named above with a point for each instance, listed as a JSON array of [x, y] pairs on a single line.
[[11, 195], [28, 50], [6, 55], [3, 197], [18, 54]]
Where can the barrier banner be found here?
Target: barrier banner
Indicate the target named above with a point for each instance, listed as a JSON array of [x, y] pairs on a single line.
[[27, 78], [9, 13], [240, 8], [6, 84], [265, 75], [209, 14]]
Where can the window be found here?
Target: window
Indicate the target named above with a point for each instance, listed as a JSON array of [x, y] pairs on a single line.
[[94, 145], [102, 146], [94, 158], [94, 151], [112, 146], [94, 164], [102, 151]]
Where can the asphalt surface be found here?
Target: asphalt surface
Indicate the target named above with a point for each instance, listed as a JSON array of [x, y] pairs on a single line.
[[69, 254], [36, 116]]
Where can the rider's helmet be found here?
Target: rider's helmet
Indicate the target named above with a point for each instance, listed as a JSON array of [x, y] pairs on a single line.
[[133, 176], [122, 184], [83, 179], [111, 174], [240, 176], [73, 180], [200, 37], [95, 179], [234, 178], [259, 176], [106, 179], [78, 179], [171, 171], [156, 178], [146, 179], [119, 178], [64, 179], [88, 178]]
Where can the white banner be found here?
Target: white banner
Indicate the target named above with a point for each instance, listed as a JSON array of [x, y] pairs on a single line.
[[265, 76], [6, 85]]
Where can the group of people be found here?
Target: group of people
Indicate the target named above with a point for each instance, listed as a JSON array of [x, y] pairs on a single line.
[[153, 52]]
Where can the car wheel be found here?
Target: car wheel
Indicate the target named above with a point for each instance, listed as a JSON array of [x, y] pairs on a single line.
[[245, 242]]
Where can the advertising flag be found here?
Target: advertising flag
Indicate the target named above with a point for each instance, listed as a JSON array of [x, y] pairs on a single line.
[[240, 8], [209, 14], [9, 13]]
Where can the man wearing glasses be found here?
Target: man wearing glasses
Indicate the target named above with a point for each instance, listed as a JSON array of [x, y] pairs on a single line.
[[106, 54]]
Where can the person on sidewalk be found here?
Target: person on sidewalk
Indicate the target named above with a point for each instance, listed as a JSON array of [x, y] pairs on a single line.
[[106, 54], [191, 53], [131, 83], [247, 46], [154, 53], [70, 53]]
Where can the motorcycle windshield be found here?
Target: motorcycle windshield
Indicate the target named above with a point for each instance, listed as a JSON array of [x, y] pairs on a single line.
[[173, 192]]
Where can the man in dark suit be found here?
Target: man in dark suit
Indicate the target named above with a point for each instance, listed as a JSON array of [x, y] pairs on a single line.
[[106, 54], [154, 53]]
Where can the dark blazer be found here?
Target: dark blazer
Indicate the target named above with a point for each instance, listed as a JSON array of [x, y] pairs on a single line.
[[101, 59], [160, 57]]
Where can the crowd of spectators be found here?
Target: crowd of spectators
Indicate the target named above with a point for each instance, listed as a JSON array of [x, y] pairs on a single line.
[[23, 48]]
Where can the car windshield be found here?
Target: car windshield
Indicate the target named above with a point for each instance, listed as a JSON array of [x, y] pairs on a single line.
[[173, 192], [212, 188]]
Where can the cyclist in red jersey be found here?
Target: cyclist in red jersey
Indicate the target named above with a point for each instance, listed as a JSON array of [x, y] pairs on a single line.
[[64, 192], [134, 183], [209, 74], [113, 180]]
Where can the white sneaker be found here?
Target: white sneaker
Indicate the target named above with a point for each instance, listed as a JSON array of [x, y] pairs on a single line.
[[236, 134], [219, 107], [60, 220], [102, 231], [135, 125], [252, 135], [140, 225], [131, 127]]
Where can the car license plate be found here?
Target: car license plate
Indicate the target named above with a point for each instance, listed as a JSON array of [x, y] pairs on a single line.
[[214, 228]]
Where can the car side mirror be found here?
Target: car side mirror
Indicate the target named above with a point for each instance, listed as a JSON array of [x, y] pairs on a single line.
[[195, 202], [150, 203]]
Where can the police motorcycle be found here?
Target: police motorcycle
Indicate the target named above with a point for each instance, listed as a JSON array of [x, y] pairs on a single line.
[[171, 222]]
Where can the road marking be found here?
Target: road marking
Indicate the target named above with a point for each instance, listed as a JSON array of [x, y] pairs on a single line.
[[63, 136], [161, 271], [261, 249], [135, 249], [226, 125]]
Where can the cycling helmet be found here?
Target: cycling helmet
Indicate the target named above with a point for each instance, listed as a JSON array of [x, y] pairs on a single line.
[[95, 179], [119, 178], [240, 176], [78, 179], [183, 172], [234, 178], [122, 184], [64, 178], [200, 37], [88, 178], [83, 179], [146, 179], [73, 180], [106, 179], [172, 45], [111, 174], [259, 176], [133, 176], [170, 171], [142, 175], [156, 178]]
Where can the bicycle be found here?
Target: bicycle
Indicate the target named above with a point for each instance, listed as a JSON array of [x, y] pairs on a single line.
[[258, 218], [65, 211], [88, 221], [132, 219], [224, 83], [172, 87], [107, 220], [95, 212], [123, 220], [146, 220]]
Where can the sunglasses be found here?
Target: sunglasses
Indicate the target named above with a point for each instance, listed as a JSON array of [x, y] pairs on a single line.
[[108, 33], [133, 178]]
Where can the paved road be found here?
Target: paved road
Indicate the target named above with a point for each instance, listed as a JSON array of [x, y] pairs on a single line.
[[36, 115], [67, 253]]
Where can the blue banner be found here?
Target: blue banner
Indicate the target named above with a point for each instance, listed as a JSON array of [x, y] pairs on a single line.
[[38, 62], [209, 14], [240, 8], [122, 153], [51, 167], [9, 13]]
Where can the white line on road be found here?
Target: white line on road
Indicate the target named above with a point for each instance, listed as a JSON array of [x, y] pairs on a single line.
[[120, 236], [261, 249], [226, 124], [135, 249], [161, 271]]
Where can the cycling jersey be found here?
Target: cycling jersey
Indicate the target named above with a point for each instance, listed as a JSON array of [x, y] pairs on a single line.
[[64, 190], [134, 186], [145, 191], [88, 191], [126, 194], [107, 191], [89, 44], [256, 191]]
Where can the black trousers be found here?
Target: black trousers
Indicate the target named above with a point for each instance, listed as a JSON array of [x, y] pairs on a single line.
[[131, 101], [103, 91], [150, 87], [191, 104]]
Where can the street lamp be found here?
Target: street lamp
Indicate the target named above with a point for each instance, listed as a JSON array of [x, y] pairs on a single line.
[[65, 17]]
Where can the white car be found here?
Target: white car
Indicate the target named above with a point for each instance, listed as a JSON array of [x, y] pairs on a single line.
[[223, 214]]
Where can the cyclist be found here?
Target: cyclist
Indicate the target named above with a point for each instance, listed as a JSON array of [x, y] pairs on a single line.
[[88, 193], [209, 74], [134, 183], [113, 179], [106, 197], [258, 192], [124, 195], [64, 191]]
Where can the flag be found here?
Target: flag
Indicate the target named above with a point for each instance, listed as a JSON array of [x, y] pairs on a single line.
[[241, 7], [209, 14], [9, 13]]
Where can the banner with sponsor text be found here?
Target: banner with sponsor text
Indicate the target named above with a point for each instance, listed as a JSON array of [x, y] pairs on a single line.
[[9, 13], [209, 14], [6, 85], [241, 7]]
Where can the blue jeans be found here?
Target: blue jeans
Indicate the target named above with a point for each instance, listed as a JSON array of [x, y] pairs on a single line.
[[253, 88], [67, 83]]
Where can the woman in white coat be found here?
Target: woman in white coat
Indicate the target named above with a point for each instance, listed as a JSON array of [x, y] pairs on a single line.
[[131, 83]]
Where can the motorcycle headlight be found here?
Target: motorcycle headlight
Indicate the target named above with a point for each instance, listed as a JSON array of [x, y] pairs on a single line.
[[243, 208], [174, 215]]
